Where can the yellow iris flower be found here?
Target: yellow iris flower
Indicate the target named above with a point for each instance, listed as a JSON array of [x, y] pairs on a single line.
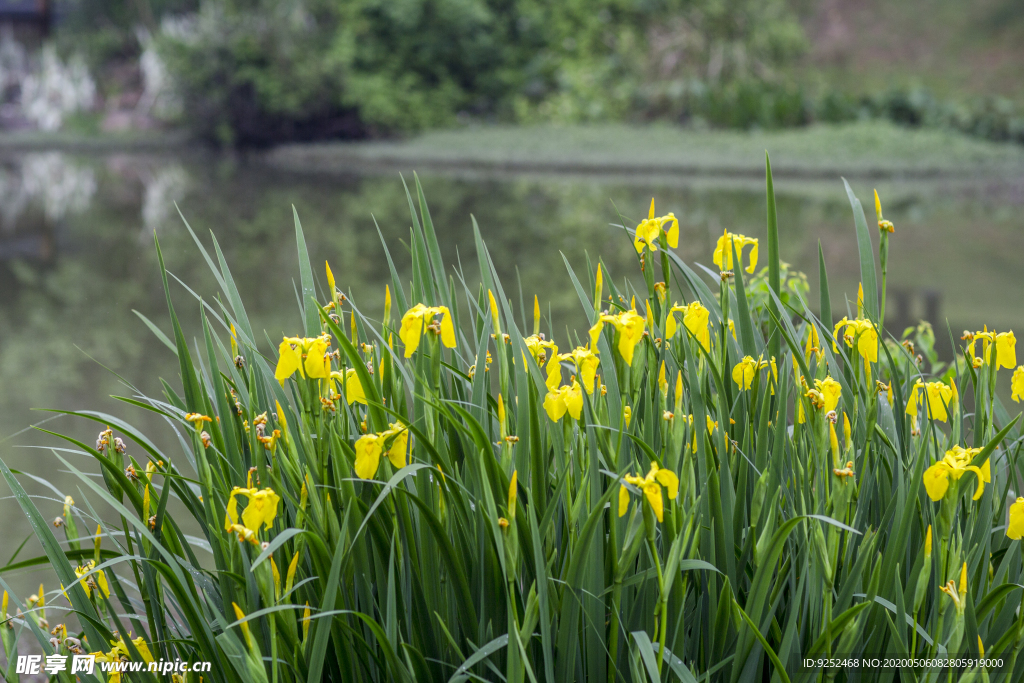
[[651, 228], [260, 511], [370, 447], [419, 316], [1005, 345], [695, 319], [863, 332], [723, 250], [541, 349], [97, 579], [119, 653], [651, 486], [955, 464], [308, 355], [744, 371], [586, 362], [353, 387], [564, 399], [630, 327], [830, 390], [938, 396], [1015, 528]]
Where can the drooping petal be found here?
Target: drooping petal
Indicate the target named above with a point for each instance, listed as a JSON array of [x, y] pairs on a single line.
[[354, 388], [368, 450], [412, 329], [936, 481], [624, 503], [588, 363], [753, 255], [573, 398], [696, 321], [317, 365], [743, 373], [595, 333], [554, 405], [1006, 350], [652, 492], [554, 371], [867, 345], [630, 326], [1014, 530], [670, 481], [288, 360], [261, 510], [447, 328], [397, 452], [672, 234], [981, 480]]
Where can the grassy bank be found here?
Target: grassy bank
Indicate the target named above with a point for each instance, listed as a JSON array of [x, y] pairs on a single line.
[[861, 149]]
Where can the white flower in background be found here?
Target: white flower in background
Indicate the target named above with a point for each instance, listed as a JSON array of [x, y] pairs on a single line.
[[12, 59], [165, 187], [159, 96], [62, 186], [56, 90]]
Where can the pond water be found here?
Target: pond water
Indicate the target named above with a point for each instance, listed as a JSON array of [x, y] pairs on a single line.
[[77, 257]]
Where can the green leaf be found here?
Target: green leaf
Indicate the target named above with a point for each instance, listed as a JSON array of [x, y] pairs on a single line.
[[868, 274]]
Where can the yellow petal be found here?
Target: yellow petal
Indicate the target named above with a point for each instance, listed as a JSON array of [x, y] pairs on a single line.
[[624, 503], [672, 234], [574, 400], [288, 361], [447, 328], [981, 480], [368, 451], [595, 333], [753, 257], [554, 370], [936, 481], [1015, 529], [670, 481], [1006, 350], [317, 365], [653, 494], [696, 321], [412, 329], [353, 387], [399, 448], [588, 371], [554, 405]]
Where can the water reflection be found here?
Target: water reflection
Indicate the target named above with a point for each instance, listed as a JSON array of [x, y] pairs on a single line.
[[76, 258]]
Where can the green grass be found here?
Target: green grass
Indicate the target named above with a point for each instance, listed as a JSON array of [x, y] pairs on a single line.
[[411, 512], [873, 148]]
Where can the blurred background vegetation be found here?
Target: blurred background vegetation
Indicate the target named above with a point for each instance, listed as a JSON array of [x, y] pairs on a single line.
[[257, 72]]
